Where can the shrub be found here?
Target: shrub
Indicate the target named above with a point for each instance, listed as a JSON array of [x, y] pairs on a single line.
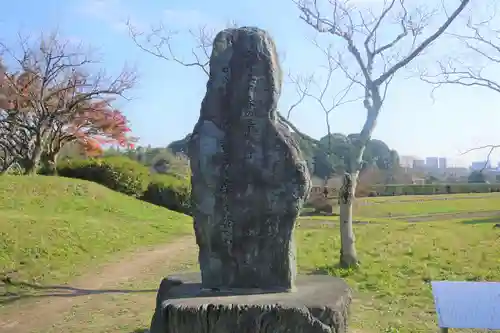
[[362, 191], [319, 204], [116, 172], [170, 192], [429, 189], [477, 177], [14, 170]]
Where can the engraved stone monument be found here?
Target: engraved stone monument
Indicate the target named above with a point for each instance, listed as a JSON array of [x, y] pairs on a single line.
[[249, 183]]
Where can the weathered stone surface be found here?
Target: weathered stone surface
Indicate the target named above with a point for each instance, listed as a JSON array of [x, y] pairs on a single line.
[[320, 305], [248, 178]]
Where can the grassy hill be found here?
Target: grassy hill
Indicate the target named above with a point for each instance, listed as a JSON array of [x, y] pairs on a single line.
[[52, 228]]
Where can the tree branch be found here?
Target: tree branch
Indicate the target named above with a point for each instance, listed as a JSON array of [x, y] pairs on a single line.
[[455, 71], [405, 61], [158, 42], [491, 149], [52, 88]]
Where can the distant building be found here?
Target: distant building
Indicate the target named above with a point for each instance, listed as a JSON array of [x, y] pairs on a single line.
[[480, 165], [457, 172], [406, 161], [418, 181], [418, 164], [432, 162], [443, 163]]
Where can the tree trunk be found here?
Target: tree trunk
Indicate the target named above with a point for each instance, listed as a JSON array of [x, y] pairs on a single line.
[[348, 255], [32, 162], [31, 165], [49, 163]]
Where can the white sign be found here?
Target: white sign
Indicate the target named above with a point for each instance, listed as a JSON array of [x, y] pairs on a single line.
[[467, 304]]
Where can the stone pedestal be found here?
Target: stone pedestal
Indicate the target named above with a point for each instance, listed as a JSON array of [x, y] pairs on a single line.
[[319, 304]]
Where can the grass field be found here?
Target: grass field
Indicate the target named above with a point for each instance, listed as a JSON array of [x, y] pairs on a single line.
[[400, 258], [53, 228], [425, 205]]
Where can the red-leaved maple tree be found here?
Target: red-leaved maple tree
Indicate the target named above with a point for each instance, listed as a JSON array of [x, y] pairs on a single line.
[[54, 97], [93, 125]]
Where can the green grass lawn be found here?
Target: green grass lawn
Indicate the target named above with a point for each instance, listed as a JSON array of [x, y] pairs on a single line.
[[421, 205], [54, 228], [433, 197], [398, 259]]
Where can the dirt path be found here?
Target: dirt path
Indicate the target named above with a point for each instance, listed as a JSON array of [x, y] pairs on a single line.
[[482, 216], [55, 303], [117, 298]]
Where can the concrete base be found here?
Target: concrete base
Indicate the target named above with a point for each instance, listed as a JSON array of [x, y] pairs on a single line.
[[320, 304]]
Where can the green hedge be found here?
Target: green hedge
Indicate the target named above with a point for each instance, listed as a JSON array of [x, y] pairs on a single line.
[[169, 191], [428, 189], [116, 172], [386, 190], [127, 176]]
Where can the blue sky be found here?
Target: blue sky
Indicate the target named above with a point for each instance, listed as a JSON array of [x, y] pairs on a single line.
[[165, 104]]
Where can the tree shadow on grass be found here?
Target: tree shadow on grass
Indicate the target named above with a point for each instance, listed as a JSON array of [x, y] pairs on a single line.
[[140, 330], [334, 270], [25, 290], [487, 220]]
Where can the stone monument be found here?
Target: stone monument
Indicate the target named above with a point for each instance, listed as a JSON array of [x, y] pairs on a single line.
[[249, 183]]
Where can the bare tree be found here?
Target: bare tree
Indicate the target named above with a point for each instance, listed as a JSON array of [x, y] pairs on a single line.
[[482, 42], [362, 32], [321, 91], [52, 97], [158, 42]]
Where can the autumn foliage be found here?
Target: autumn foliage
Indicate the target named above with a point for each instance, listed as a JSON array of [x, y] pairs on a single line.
[[52, 97], [99, 124]]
